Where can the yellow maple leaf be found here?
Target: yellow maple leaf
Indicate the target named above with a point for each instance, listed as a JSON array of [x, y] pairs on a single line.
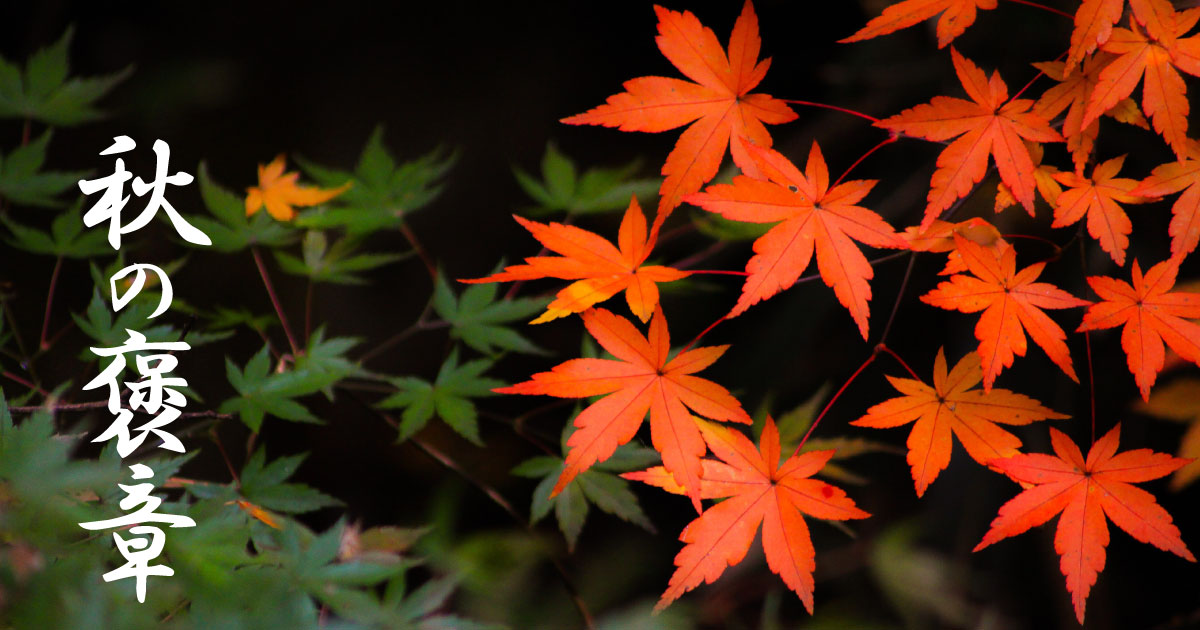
[[279, 192]]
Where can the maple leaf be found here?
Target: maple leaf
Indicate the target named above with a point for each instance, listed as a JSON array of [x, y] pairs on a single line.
[[718, 106], [985, 125], [939, 237], [1085, 491], [1043, 178], [1171, 178], [640, 379], [1151, 314], [600, 270], [1071, 95], [952, 406], [1164, 94], [1098, 197], [1179, 400], [279, 192], [760, 491], [813, 216], [1012, 304], [1094, 21], [957, 15]]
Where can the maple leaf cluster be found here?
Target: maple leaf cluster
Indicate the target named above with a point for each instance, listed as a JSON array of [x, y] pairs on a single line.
[[810, 215]]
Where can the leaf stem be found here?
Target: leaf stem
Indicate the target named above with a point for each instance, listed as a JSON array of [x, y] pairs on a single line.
[[1043, 7], [887, 328], [832, 107], [1087, 337], [718, 272], [699, 256], [892, 137], [18, 379], [836, 395], [883, 348], [308, 302], [224, 455], [702, 333], [262, 271], [420, 249], [49, 302]]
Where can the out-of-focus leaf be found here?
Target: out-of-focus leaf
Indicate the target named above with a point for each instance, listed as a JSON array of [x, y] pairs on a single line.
[[449, 396], [596, 190], [43, 92], [21, 182], [479, 320], [231, 230]]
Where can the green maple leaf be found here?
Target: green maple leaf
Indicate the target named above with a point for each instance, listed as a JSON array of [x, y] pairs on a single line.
[[478, 319], [449, 396], [597, 190], [45, 93]]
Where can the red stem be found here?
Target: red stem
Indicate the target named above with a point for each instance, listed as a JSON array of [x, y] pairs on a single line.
[[833, 400], [49, 302], [890, 139], [1043, 7], [702, 333], [719, 272], [833, 107], [883, 348], [262, 271], [14, 377]]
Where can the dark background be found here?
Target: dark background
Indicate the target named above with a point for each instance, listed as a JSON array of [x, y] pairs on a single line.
[[233, 85]]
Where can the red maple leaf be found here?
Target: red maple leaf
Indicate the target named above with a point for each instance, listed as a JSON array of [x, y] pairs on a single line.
[[600, 270], [1085, 491], [759, 491], [1012, 304], [1156, 56], [812, 216], [952, 406], [1171, 178], [718, 106], [640, 379], [986, 125], [1097, 198], [957, 15], [1150, 314]]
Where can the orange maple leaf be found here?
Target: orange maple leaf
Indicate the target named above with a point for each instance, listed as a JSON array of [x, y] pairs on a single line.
[[1150, 315], [1043, 178], [600, 270], [760, 491], [1098, 198], [1085, 491], [939, 237], [957, 15], [1094, 21], [640, 379], [1012, 304], [813, 216], [986, 125], [1164, 95], [1071, 95], [1185, 213], [951, 406], [718, 106], [279, 192]]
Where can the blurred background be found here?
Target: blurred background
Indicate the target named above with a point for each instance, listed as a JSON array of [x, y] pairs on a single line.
[[233, 85]]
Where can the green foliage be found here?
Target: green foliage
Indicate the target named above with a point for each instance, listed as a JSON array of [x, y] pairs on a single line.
[[260, 393], [21, 182], [597, 190], [43, 92], [336, 264], [599, 485], [66, 237], [232, 230], [449, 396], [382, 192], [477, 318], [264, 485]]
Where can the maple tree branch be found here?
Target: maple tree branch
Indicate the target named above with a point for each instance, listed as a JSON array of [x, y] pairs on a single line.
[[892, 137], [838, 394], [1087, 336], [1043, 7], [420, 325], [718, 272], [212, 433], [26, 362], [262, 271], [58, 261], [417, 247], [883, 348], [832, 107], [698, 256], [18, 379], [308, 302], [887, 328]]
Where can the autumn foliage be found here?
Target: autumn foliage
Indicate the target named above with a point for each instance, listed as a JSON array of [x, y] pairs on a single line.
[[993, 130]]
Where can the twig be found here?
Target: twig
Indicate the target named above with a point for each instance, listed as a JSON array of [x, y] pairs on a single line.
[[42, 345], [262, 271]]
